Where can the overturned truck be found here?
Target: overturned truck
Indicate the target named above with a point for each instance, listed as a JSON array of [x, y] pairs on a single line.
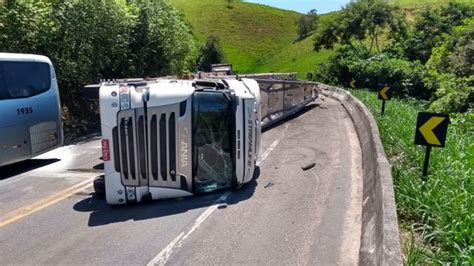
[[165, 138]]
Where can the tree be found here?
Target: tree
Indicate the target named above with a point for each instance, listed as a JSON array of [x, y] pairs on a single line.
[[211, 53], [307, 23], [361, 20], [430, 26], [451, 72]]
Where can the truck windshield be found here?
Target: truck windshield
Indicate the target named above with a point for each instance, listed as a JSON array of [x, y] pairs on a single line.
[[212, 131], [23, 79]]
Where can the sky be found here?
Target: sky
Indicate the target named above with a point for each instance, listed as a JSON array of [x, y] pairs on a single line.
[[303, 6]]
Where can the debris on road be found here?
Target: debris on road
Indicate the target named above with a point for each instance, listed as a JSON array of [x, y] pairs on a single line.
[[308, 166], [269, 184]]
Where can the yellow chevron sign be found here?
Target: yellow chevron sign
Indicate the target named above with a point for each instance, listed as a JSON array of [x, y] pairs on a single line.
[[353, 84], [431, 129], [383, 93], [427, 130]]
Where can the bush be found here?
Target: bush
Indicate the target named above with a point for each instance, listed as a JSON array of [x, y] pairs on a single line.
[[430, 26], [211, 53], [451, 71], [453, 94], [404, 77]]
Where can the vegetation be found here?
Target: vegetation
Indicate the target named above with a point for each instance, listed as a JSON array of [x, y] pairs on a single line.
[[360, 20], [296, 57], [431, 27], [422, 4], [91, 40], [211, 53], [439, 69], [258, 38], [440, 211], [255, 38], [249, 33], [406, 78], [307, 24]]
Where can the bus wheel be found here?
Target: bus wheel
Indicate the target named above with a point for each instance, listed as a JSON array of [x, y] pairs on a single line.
[[99, 186]]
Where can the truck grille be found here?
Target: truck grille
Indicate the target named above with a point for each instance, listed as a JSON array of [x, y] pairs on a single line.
[[147, 147], [162, 126], [128, 147]]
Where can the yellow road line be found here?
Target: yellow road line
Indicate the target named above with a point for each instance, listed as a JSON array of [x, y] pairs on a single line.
[[44, 203]]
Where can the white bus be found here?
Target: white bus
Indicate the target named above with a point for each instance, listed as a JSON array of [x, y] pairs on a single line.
[[30, 113]]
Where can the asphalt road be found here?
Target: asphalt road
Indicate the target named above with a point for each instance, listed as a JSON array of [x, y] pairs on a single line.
[[48, 214]]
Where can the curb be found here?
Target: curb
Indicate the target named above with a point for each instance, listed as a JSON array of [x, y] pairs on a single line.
[[380, 242]]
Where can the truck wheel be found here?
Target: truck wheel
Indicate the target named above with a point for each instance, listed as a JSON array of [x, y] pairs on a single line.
[[99, 186]]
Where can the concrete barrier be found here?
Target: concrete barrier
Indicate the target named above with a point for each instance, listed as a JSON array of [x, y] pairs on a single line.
[[380, 242]]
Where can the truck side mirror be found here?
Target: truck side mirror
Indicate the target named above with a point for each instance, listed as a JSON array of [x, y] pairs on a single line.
[[91, 92]]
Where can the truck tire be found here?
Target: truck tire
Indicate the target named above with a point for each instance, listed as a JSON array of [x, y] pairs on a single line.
[[99, 186]]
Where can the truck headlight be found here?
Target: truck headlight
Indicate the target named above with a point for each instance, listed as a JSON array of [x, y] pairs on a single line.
[[124, 98], [131, 194]]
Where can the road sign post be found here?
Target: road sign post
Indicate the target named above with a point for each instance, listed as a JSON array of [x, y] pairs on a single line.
[[431, 130], [427, 161], [385, 94]]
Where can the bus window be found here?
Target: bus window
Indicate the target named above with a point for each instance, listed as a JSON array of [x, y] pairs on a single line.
[[23, 79]]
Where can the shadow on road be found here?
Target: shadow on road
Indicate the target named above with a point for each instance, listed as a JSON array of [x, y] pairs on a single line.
[[102, 214], [303, 111], [23, 167], [99, 166]]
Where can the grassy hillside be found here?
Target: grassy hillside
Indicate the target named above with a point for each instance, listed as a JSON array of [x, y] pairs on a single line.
[[297, 56], [249, 33], [424, 3], [440, 210]]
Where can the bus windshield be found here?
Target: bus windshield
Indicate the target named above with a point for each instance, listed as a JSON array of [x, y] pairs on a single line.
[[212, 131], [23, 79]]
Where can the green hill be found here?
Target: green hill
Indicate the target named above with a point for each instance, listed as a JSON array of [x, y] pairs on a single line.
[[297, 56], [249, 33], [260, 38]]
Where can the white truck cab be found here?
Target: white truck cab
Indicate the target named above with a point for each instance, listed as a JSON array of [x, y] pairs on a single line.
[[166, 138]]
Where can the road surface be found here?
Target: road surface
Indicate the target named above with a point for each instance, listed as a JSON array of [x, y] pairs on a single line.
[[49, 215]]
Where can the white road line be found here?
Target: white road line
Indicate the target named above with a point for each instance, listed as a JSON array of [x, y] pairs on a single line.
[[165, 254], [272, 146]]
